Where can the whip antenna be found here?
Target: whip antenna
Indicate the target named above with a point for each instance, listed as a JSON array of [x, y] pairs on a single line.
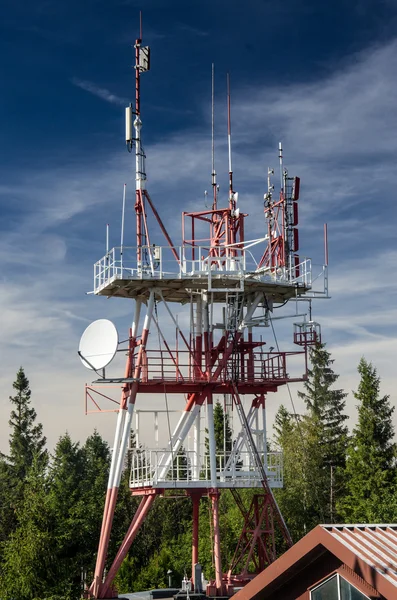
[[229, 137], [213, 174]]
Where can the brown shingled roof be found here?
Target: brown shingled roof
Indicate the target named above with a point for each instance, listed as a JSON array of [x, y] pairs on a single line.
[[369, 550]]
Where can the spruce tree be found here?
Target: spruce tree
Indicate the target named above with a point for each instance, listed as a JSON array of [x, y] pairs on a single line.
[[326, 405], [283, 424], [26, 439], [223, 431], [95, 458], [26, 446], [67, 504], [329, 432], [28, 568], [371, 459], [223, 435]]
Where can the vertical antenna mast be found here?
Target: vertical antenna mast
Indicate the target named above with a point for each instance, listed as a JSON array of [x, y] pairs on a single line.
[[229, 139], [142, 64], [213, 174], [280, 155]]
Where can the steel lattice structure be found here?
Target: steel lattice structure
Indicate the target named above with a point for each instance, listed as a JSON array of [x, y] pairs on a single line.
[[230, 288]]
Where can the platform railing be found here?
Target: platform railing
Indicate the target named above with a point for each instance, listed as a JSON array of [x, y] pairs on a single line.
[[158, 262], [147, 464], [179, 366]]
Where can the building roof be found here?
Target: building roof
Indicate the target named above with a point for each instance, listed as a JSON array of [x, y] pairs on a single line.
[[369, 550], [376, 545]]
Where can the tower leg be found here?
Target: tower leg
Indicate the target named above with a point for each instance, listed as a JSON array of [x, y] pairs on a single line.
[[123, 429], [133, 529], [217, 542], [195, 534]]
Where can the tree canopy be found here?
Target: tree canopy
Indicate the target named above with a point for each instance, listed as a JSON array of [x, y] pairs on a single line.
[[51, 504]]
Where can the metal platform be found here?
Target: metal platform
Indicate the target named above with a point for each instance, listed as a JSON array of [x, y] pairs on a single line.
[[117, 275], [236, 470]]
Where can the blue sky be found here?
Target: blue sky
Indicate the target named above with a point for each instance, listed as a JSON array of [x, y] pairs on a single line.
[[318, 76]]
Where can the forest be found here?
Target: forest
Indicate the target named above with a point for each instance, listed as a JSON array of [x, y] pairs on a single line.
[[51, 503]]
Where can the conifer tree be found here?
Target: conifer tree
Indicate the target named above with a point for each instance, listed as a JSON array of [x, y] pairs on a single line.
[[95, 459], [327, 406], [26, 439], [371, 459], [6, 505], [223, 431], [283, 424], [223, 434], [26, 446], [67, 504], [28, 567], [329, 432]]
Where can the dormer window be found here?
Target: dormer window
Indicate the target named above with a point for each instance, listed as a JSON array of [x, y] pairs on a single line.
[[336, 588]]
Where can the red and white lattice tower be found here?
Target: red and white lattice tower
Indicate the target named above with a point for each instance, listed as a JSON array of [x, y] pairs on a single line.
[[230, 288]]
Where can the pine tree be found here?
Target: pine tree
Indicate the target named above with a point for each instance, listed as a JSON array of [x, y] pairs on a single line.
[[327, 406], [329, 432], [371, 459], [95, 460], [7, 511], [28, 563], [26, 446], [67, 504], [223, 436], [26, 439], [223, 431], [283, 425]]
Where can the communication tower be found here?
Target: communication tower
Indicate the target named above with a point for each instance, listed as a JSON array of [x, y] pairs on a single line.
[[230, 288]]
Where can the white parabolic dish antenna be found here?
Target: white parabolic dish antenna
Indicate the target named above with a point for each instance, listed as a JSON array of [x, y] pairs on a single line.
[[98, 344]]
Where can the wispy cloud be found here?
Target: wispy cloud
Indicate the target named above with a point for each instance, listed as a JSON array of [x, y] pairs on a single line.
[[98, 91], [336, 133], [189, 29]]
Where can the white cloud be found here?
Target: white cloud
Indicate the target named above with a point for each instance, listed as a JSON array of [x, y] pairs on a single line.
[[100, 92]]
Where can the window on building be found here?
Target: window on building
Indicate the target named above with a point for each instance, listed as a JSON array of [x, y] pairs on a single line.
[[327, 590], [336, 588], [348, 592]]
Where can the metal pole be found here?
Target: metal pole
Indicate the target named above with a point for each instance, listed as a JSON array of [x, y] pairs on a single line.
[[229, 139], [213, 174], [217, 542], [122, 229], [195, 533], [212, 443], [124, 426]]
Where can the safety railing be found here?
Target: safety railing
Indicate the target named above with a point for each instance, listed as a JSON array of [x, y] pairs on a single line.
[[187, 467], [159, 262], [182, 366]]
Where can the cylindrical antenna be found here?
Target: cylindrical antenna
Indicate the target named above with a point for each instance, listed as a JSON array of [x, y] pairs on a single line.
[[229, 135], [326, 244], [107, 238], [140, 25], [280, 155]]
